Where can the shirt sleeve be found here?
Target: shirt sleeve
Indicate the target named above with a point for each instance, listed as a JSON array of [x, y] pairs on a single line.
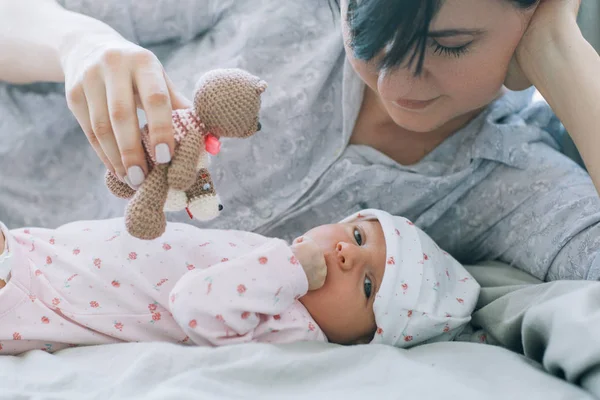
[[225, 302], [543, 219], [153, 22]]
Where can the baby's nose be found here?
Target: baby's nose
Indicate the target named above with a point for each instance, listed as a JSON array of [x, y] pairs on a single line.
[[348, 255]]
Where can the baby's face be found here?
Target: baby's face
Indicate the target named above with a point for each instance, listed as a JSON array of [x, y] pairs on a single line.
[[355, 254]]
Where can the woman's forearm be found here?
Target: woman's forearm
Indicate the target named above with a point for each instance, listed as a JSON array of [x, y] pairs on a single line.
[[34, 33], [567, 73]]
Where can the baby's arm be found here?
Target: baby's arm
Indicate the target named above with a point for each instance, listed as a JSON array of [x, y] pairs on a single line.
[[1, 242], [2, 282], [2, 249], [223, 304], [3, 259]]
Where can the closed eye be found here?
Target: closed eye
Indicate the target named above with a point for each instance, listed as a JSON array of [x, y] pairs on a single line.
[[449, 51]]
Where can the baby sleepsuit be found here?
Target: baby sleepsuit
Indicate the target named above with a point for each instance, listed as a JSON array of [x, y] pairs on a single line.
[[90, 282]]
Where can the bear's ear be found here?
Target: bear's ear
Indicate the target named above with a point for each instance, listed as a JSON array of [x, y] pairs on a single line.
[[261, 86]]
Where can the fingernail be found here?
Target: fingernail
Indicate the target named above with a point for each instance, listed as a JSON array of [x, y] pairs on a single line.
[[163, 155], [135, 175], [127, 181]]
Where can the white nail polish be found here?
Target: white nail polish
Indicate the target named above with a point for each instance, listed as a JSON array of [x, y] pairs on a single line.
[[127, 181], [135, 175], [163, 155]]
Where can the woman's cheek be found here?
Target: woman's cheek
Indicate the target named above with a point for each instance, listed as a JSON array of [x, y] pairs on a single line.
[[475, 82], [364, 70]]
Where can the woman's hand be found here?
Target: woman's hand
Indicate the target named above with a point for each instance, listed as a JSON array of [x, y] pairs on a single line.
[[563, 66], [106, 79], [547, 20], [312, 260]]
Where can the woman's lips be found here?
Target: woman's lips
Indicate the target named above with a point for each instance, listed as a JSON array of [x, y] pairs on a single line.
[[408, 104]]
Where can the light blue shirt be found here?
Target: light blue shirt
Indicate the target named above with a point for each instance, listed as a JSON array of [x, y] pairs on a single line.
[[497, 189]]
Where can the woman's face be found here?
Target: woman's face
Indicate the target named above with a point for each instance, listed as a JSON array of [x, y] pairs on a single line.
[[470, 47]]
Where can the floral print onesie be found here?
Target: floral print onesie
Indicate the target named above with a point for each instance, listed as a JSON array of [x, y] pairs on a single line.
[[89, 283]]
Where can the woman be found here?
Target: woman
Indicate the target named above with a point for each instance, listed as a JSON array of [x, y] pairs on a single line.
[[349, 123]]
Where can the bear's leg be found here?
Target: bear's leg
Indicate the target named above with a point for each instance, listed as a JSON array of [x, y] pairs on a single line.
[[182, 172], [116, 187], [144, 216]]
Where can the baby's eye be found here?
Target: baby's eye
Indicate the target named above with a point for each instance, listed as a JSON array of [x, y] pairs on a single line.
[[358, 237], [368, 287]]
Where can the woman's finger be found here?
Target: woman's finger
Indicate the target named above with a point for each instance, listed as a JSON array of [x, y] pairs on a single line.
[[178, 101], [154, 96], [123, 117], [95, 92], [78, 105]]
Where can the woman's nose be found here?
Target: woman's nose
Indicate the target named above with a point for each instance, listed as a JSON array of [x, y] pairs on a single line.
[[348, 255]]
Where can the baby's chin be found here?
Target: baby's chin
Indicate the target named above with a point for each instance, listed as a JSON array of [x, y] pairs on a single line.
[[311, 300], [306, 301]]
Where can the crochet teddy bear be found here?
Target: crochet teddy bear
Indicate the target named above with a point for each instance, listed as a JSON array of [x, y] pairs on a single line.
[[226, 104]]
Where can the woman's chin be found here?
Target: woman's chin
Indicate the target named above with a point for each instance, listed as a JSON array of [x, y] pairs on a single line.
[[432, 120], [421, 123]]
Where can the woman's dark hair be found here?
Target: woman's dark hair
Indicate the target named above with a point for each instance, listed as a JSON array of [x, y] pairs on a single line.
[[401, 24]]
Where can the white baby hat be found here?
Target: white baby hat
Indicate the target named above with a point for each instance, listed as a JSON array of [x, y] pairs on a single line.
[[426, 295]]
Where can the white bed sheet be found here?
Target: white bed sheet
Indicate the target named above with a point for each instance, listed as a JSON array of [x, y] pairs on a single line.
[[299, 371]]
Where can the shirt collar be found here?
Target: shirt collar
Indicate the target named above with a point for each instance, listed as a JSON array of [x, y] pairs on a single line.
[[510, 123]]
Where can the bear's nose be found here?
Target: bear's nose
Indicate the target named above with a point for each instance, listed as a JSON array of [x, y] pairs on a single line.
[[220, 207], [258, 127]]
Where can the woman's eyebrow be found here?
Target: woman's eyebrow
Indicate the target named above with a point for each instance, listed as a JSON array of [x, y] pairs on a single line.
[[454, 32]]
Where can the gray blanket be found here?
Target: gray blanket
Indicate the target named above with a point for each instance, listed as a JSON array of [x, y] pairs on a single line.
[[556, 324]]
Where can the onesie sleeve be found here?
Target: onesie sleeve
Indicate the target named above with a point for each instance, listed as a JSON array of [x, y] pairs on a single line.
[[9, 257], [225, 303]]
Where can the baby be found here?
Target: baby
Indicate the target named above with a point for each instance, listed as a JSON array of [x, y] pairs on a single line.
[[372, 278]]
